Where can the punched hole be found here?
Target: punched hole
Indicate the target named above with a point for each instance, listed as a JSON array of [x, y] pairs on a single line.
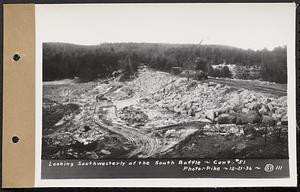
[[15, 139], [16, 57]]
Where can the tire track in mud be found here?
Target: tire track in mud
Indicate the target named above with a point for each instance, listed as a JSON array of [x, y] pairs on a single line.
[[145, 146]]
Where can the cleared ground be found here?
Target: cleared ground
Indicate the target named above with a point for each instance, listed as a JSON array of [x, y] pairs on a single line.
[[79, 125]]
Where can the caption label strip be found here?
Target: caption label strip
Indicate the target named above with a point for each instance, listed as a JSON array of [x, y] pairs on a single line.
[[166, 168]]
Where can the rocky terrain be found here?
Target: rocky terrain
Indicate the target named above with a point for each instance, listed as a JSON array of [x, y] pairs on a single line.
[[161, 115]]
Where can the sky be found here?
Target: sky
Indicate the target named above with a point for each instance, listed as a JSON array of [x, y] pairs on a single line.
[[247, 26]]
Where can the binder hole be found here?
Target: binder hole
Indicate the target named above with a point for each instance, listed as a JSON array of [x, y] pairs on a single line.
[[15, 139], [16, 57]]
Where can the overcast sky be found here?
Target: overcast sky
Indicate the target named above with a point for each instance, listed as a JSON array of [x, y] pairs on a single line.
[[254, 26]]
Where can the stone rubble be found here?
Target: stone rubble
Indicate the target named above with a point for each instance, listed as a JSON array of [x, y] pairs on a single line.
[[195, 100], [132, 116], [163, 100]]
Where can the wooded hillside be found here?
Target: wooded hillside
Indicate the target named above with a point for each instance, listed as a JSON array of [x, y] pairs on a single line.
[[62, 60]]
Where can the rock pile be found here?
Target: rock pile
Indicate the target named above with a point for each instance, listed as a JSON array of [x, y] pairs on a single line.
[[206, 100], [122, 93], [132, 116]]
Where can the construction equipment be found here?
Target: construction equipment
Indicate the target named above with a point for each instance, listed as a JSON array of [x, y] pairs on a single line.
[[198, 66]]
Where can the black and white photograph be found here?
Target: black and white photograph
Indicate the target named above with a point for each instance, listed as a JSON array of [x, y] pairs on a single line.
[[141, 100], [165, 81]]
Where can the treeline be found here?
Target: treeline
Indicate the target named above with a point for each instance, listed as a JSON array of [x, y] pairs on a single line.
[[62, 60]]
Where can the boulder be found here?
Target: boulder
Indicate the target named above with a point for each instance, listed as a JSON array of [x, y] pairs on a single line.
[[263, 110], [207, 127], [245, 110], [228, 109], [284, 120], [226, 119], [169, 132], [92, 155], [252, 105], [241, 119], [205, 120], [105, 152], [234, 100], [253, 117], [218, 86], [267, 120], [199, 115], [270, 106], [251, 97], [282, 101], [210, 114]]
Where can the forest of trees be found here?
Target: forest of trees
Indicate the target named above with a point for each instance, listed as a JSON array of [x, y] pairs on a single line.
[[62, 60]]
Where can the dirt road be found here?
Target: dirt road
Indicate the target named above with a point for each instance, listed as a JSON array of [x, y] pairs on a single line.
[[269, 89], [145, 146]]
